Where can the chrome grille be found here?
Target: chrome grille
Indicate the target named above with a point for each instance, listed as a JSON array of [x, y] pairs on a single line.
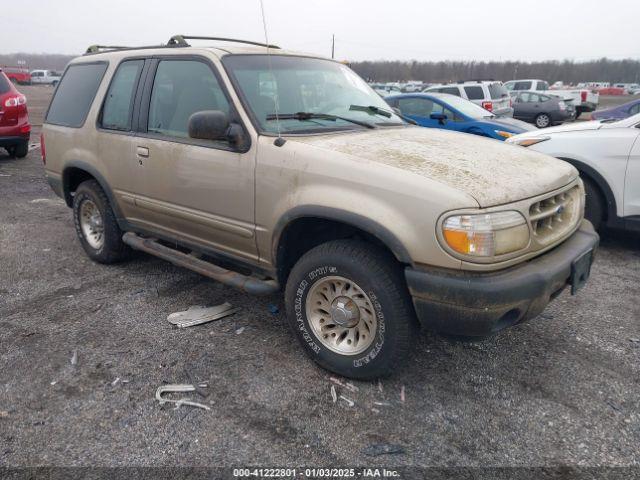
[[554, 216]]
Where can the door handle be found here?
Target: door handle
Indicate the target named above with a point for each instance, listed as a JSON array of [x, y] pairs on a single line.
[[142, 152]]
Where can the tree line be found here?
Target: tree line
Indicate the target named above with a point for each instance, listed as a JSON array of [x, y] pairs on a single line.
[[567, 71]]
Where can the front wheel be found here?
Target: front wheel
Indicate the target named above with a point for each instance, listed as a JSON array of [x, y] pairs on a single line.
[[348, 304]]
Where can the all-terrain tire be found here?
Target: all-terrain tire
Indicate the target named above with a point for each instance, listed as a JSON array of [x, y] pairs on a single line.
[[112, 248], [380, 280]]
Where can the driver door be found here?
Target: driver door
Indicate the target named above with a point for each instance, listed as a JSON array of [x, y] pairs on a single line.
[[197, 191]]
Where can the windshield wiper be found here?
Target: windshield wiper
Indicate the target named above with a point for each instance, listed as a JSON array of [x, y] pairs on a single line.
[[311, 116], [372, 109], [381, 111]]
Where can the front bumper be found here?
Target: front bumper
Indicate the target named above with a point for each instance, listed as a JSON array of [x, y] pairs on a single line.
[[478, 304]]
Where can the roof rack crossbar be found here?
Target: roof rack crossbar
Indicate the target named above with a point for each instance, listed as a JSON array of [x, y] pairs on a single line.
[[181, 41], [99, 48]]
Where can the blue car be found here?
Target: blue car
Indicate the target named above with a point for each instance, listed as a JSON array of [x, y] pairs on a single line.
[[618, 113], [441, 110]]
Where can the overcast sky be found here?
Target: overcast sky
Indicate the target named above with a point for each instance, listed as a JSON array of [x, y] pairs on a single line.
[[365, 30]]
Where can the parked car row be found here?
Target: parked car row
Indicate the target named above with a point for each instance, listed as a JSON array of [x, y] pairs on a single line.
[[22, 76]]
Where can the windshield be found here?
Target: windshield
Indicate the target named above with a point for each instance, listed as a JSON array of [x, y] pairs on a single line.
[[287, 85], [467, 107]]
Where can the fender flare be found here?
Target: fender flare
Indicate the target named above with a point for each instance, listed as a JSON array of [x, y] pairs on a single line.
[[349, 218], [91, 170]]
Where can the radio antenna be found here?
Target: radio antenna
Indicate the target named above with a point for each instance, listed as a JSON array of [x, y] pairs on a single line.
[[273, 78]]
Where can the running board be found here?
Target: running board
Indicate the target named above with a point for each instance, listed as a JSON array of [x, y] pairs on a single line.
[[252, 285]]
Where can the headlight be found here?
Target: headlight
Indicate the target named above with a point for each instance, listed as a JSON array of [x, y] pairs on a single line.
[[486, 235], [527, 142], [503, 134]]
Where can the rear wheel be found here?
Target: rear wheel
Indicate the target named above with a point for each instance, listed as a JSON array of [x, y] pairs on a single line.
[[594, 207], [21, 150], [543, 120], [96, 224], [348, 304]]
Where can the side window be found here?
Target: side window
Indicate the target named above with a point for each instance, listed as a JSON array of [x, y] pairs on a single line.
[[542, 86], [420, 107], [474, 93], [450, 90], [118, 104], [522, 86], [635, 109], [181, 88], [75, 93], [544, 98]]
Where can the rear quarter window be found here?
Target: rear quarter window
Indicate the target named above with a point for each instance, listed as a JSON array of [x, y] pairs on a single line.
[[474, 93], [4, 83], [497, 91], [75, 94]]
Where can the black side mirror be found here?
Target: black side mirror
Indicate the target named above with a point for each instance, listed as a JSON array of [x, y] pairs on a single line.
[[441, 117], [209, 125]]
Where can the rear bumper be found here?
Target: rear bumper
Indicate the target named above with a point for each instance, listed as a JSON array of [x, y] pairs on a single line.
[[586, 107], [478, 304], [13, 140]]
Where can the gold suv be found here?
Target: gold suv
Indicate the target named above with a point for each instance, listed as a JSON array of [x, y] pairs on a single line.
[[266, 170]]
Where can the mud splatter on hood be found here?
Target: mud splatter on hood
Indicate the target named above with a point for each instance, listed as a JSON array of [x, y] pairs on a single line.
[[490, 171]]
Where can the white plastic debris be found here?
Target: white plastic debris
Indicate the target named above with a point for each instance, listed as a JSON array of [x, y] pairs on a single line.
[[198, 315], [334, 395], [402, 394], [115, 382], [74, 357], [349, 386], [350, 402], [179, 388]]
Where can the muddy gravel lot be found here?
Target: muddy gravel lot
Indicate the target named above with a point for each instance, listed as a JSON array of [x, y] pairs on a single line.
[[83, 348]]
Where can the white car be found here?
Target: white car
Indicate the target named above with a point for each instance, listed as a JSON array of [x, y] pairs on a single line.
[[607, 154], [489, 94], [45, 77]]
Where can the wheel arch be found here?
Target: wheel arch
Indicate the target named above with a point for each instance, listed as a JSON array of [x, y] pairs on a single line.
[[75, 172], [325, 224], [611, 209]]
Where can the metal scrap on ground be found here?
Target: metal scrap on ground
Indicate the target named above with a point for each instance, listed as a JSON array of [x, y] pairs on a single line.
[[198, 315], [179, 388]]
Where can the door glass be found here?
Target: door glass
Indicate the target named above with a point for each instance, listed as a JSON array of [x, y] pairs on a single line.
[[181, 88], [118, 104], [474, 93], [416, 106]]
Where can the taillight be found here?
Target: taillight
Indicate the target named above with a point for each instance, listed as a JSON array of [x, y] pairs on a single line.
[[583, 95], [43, 152], [15, 101], [487, 106]]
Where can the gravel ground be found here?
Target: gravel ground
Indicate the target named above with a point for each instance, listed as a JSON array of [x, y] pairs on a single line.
[[563, 389]]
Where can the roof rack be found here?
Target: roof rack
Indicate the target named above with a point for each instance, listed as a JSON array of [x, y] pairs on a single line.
[[181, 41], [102, 48], [477, 80]]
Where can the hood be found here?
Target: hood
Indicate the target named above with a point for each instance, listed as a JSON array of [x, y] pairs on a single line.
[[515, 125], [490, 171], [570, 127]]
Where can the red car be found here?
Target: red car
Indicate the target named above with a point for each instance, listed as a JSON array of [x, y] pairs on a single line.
[[19, 75], [15, 128]]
